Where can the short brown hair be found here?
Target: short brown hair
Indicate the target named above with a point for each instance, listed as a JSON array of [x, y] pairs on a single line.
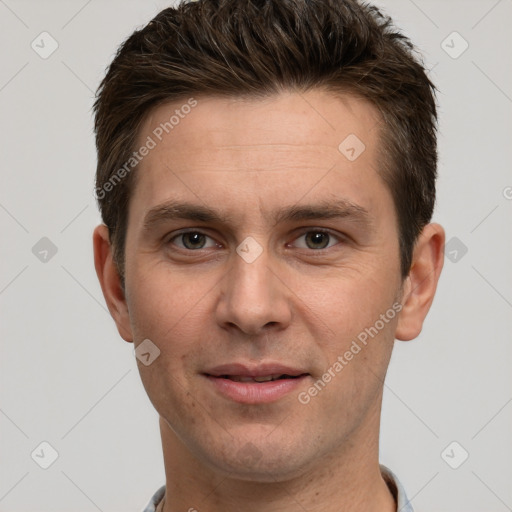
[[257, 48]]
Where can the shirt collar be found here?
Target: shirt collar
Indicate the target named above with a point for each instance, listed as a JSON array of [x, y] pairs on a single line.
[[402, 503]]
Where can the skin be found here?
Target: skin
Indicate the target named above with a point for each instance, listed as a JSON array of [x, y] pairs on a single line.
[[301, 302]]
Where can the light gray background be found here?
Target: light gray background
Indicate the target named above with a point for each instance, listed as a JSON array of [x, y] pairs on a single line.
[[67, 378]]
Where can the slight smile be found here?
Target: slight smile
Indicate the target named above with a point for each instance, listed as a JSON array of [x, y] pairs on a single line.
[[264, 383]]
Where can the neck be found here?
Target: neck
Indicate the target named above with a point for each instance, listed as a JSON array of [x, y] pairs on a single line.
[[347, 480]]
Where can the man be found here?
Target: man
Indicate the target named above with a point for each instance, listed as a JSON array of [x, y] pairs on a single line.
[[266, 175]]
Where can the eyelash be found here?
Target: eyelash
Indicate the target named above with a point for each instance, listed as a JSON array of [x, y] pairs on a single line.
[[314, 230]]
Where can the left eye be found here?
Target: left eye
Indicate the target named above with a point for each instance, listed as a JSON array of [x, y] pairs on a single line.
[[316, 240]]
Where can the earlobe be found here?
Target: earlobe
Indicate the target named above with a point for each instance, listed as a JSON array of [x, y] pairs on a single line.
[[110, 282], [421, 283]]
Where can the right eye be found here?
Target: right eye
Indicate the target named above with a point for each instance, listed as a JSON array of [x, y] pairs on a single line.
[[192, 241]]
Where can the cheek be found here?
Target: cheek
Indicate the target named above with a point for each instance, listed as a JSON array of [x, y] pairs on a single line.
[[175, 323], [343, 305], [175, 314], [164, 302], [354, 373]]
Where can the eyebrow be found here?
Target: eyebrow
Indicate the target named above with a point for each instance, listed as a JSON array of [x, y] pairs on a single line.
[[342, 208]]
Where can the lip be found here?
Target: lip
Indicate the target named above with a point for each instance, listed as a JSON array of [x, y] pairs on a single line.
[[257, 370], [255, 392]]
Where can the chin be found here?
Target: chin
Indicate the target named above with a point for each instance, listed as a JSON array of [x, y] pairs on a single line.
[[265, 464]]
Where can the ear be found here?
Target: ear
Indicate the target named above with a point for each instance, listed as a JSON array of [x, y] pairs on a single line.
[[420, 285], [110, 281]]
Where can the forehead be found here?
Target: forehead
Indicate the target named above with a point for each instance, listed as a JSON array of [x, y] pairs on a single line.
[[211, 149], [305, 119]]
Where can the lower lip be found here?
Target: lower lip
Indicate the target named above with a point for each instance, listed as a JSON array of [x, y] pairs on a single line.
[[256, 392]]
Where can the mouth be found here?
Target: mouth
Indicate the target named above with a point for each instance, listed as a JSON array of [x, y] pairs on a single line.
[[262, 378], [259, 384]]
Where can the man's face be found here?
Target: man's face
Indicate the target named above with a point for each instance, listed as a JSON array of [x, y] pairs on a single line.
[[292, 298]]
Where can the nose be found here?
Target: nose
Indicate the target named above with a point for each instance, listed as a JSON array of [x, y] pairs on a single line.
[[254, 298]]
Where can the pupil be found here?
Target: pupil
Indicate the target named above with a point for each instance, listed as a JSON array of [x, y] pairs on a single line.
[[196, 239], [318, 238]]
